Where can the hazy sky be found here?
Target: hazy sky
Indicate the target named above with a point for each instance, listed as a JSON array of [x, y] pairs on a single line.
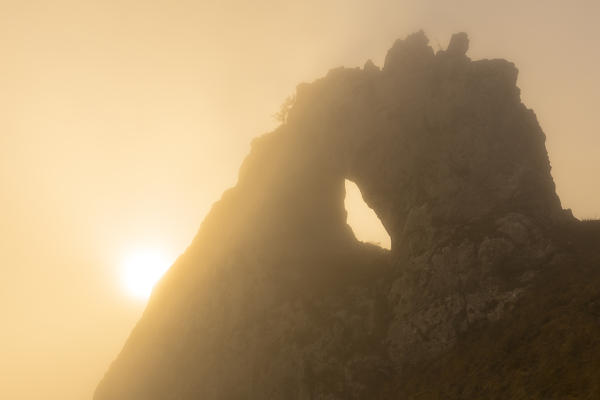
[[122, 121]]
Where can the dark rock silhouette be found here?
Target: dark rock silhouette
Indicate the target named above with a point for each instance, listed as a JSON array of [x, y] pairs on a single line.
[[459, 44], [275, 298]]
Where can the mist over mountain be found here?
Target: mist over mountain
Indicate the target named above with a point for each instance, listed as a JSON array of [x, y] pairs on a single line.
[[490, 289]]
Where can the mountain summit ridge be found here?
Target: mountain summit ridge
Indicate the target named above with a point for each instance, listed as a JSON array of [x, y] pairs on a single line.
[[276, 299]]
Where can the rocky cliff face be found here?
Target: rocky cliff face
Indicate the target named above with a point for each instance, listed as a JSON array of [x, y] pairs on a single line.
[[275, 298]]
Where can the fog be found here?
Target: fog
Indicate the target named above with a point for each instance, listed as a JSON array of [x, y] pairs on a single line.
[[121, 122]]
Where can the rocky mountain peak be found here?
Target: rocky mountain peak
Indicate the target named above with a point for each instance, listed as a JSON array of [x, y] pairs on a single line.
[[276, 299]]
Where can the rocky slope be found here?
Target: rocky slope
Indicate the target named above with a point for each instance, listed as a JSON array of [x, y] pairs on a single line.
[[490, 289]]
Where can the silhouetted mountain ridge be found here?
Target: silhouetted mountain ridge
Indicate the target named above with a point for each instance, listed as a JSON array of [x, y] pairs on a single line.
[[490, 289]]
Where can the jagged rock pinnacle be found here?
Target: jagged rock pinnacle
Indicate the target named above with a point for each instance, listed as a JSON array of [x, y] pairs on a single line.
[[459, 44]]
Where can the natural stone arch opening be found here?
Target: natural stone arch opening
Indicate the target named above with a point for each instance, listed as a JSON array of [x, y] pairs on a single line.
[[363, 220]]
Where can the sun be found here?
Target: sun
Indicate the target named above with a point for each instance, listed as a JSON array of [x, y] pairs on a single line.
[[141, 269]]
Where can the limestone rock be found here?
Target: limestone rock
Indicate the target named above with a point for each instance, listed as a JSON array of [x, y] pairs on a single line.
[[275, 298], [370, 67], [459, 44], [412, 53]]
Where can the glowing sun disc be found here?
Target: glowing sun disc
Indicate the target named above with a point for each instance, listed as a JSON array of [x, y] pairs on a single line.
[[141, 270]]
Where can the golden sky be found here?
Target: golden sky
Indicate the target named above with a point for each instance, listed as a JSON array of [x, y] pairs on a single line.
[[122, 121]]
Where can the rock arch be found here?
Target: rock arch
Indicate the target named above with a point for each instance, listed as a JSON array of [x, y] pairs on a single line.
[[275, 299]]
